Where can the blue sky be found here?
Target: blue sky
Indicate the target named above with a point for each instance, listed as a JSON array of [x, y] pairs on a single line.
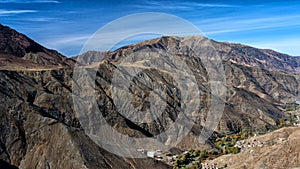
[[65, 25]]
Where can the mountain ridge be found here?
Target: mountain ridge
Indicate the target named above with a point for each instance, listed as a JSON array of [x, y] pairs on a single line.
[[15, 46], [234, 52], [19, 51]]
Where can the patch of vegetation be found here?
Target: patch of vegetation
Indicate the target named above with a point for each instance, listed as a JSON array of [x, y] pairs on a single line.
[[287, 122], [226, 143], [292, 107], [223, 144]]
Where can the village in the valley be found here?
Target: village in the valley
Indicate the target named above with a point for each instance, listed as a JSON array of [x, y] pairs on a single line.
[[293, 119]]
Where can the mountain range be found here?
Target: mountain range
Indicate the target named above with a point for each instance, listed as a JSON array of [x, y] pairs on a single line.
[[40, 129]]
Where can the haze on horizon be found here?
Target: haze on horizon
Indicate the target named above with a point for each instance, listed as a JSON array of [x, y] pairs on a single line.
[[65, 25]]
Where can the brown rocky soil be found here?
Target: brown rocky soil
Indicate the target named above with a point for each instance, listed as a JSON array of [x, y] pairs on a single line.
[[280, 150]]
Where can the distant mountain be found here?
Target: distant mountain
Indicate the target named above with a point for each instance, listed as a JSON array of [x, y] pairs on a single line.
[[19, 51], [235, 53], [39, 128], [260, 81]]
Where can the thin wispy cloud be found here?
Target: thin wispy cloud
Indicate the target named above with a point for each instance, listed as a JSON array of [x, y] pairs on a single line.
[[69, 40], [235, 24], [270, 19], [148, 23], [175, 5], [42, 19], [290, 45], [8, 12], [209, 5], [57, 2], [282, 43], [72, 42], [30, 1], [37, 19]]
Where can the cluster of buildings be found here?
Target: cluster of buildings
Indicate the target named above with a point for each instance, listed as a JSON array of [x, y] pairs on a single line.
[[209, 166], [169, 158], [243, 144], [156, 154], [297, 120]]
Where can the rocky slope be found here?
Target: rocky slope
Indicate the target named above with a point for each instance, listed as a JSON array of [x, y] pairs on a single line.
[[278, 149], [257, 90], [19, 51], [39, 128]]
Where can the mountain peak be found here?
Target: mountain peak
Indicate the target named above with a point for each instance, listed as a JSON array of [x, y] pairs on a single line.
[[17, 44], [18, 50], [233, 52]]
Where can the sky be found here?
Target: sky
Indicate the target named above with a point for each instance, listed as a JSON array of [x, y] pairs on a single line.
[[66, 25]]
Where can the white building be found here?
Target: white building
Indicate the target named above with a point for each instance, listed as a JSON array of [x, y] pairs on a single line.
[[151, 154]]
